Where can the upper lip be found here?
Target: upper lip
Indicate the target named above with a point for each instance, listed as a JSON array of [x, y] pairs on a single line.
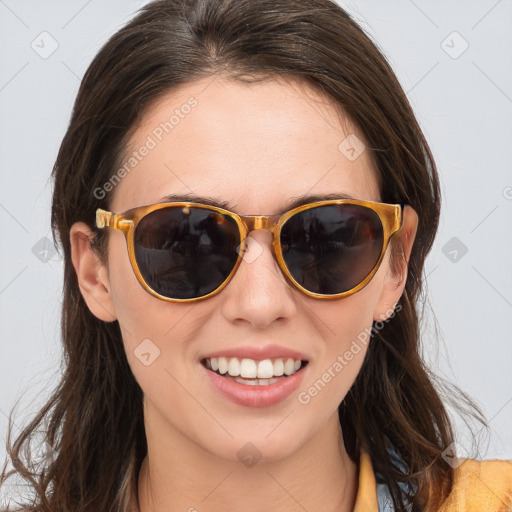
[[258, 353]]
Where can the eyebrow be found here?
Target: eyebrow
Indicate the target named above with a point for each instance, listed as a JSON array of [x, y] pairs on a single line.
[[293, 202]]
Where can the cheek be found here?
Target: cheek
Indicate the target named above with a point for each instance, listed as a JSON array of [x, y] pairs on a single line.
[[345, 319], [146, 322], [349, 318], [131, 301], [345, 327], [156, 337]]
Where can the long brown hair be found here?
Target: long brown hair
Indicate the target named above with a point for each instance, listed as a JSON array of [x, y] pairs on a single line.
[[94, 418]]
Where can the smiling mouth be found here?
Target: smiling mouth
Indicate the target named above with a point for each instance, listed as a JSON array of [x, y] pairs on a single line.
[[254, 372]]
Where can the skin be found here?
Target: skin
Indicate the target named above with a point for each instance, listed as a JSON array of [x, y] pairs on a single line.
[[257, 146]]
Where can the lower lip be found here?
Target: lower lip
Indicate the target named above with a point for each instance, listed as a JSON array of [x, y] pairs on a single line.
[[256, 396]]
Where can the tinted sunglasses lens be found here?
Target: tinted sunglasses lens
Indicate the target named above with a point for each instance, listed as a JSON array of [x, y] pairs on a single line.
[[185, 253], [331, 249]]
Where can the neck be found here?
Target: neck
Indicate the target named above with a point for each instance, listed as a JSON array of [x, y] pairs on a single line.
[[179, 475]]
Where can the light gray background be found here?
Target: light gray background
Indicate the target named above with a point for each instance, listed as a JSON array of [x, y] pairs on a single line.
[[463, 102]]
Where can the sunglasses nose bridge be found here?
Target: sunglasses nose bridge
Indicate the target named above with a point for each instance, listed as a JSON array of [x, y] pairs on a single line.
[[254, 222]]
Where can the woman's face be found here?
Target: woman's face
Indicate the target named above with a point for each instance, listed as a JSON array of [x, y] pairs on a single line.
[[256, 147]]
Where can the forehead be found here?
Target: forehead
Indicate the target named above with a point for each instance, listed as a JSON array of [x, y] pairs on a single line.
[[253, 145]]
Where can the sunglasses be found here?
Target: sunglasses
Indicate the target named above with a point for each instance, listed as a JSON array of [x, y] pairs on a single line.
[[184, 252]]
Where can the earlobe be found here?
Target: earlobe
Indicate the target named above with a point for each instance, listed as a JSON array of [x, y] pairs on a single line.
[[91, 273], [396, 277]]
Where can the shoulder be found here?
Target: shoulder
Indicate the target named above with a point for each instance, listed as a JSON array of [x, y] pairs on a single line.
[[481, 486]]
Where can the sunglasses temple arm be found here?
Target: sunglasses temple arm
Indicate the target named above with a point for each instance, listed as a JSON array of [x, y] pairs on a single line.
[[106, 219], [400, 218]]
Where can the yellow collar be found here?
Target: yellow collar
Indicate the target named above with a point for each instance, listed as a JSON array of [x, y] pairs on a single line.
[[366, 500], [479, 485]]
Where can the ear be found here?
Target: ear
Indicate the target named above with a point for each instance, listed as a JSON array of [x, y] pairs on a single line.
[[396, 277], [92, 274]]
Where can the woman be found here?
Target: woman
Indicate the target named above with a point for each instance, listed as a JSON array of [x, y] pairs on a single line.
[[245, 202]]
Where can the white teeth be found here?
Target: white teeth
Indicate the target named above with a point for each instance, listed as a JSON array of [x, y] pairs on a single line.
[[247, 382], [278, 367], [222, 363], [266, 369], [256, 382], [248, 369], [289, 367], [252, 369], [234, 367]]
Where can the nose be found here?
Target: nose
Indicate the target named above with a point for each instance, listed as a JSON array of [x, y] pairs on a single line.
[[258, 294]]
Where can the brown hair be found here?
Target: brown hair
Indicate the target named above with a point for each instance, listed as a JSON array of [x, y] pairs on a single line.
[[94, 419]]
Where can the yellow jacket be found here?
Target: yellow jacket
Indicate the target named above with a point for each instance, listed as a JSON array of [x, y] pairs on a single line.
[[480, 486]]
